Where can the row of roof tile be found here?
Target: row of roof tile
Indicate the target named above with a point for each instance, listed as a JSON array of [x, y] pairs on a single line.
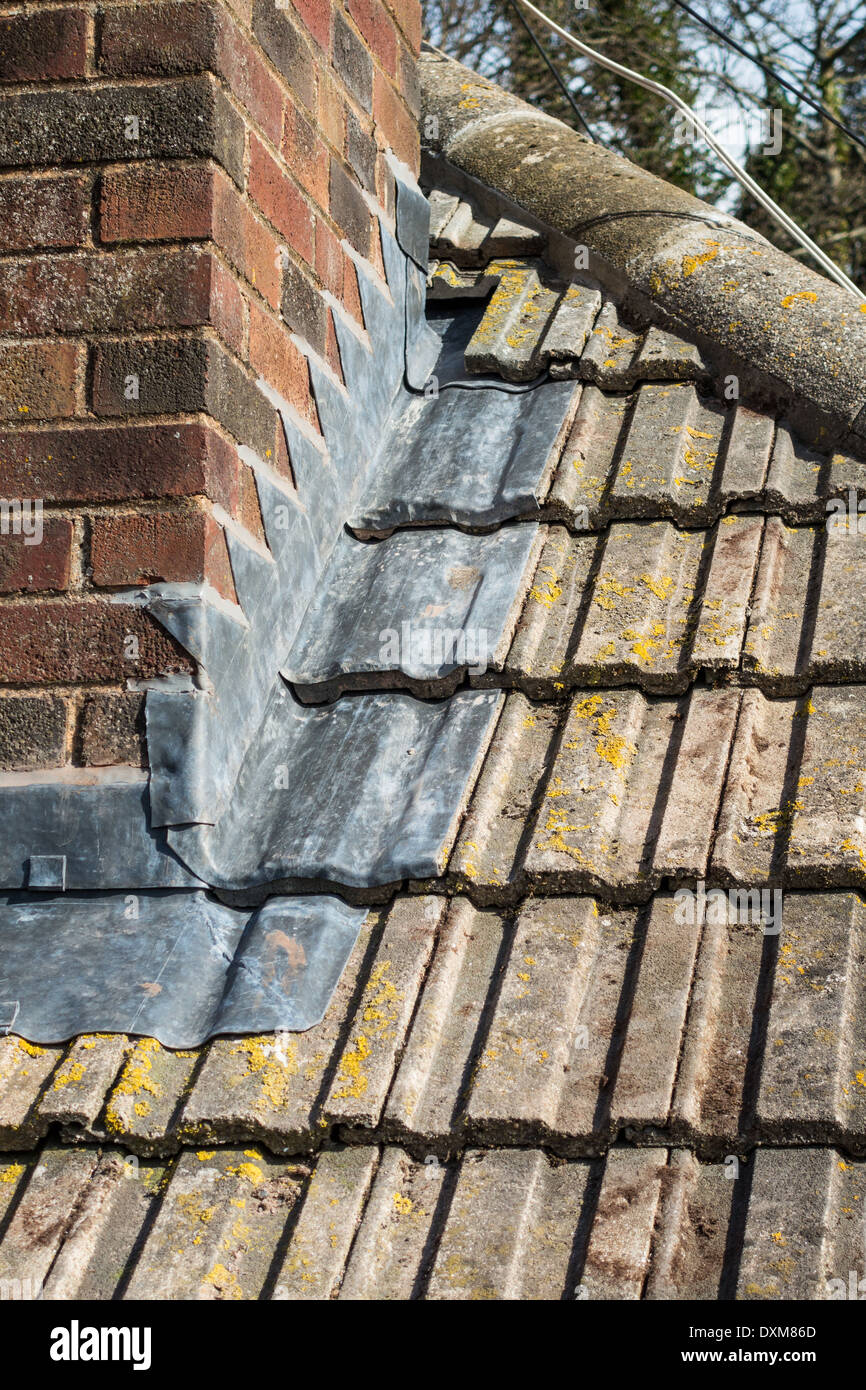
[[364, 1223], [570, 1025]]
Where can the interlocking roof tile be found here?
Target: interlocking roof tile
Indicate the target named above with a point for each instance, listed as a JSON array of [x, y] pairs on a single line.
[[613, 1045], [369, 1223]]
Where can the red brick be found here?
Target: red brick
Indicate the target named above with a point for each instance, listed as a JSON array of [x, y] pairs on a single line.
[[44, 211], [170, 37], [332, 112], [249, 80], [61, 642], [398, 128], [332, 350], [407, 15], [35, 568], [351, 297], [252, 249], [37, 381], [105, 291], [316, 14], [377, 30], [248, 512], [156, 204], [44, 46], [280, 200], [120, 462], [305, 155], [228, 312], [329, 259], [274, 356], [112, 729], [148, 547]]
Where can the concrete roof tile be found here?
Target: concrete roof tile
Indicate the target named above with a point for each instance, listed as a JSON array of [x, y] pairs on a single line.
[[794, 798], [220, 1219], [389, 1255], [360, 1223], [434, 1070], [271, 1087], [333, 1202], [366, 1066], [510, 1228]]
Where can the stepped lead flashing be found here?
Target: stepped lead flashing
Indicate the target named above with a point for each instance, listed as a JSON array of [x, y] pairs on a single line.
[[792, 336]]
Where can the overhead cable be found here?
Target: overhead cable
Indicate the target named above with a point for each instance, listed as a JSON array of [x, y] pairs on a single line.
[[743, 178]]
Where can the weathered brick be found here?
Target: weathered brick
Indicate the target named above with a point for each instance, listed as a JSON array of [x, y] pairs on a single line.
[[351, 296], [172, 37], [408, 15], [316, 15], [305, 154], [361, 152], [44, 46], [275, 357], [349, 210], [409, 82], [249, 79], [53, 642], [37, 568], [287, 49], [249, 244], [154, 376], [32, 732], [329, 258], [228, 308], [44, 211], [399, 129], [148, 547], [153, 203], [110, 464], [105, 291], [332, 349], [112, 729], [352, 62], [303, 307], [332, 111], [280, 200], [37, 381], [177, 375], [200, 202], [378, 31], [186, 117]]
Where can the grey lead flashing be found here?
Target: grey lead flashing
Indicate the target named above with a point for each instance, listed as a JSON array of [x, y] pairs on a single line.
[[102, 832], [412, 214], [365, 792], [419, 606], [248, 787], [488, 457], [178, 967]]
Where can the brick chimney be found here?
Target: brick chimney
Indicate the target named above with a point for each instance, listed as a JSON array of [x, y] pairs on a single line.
[[186, 187]]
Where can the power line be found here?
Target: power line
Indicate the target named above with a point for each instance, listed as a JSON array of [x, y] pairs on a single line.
[[557, 75], [745, 179], [771, 72]]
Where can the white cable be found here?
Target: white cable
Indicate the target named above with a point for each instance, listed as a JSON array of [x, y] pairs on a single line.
[[736, 169]]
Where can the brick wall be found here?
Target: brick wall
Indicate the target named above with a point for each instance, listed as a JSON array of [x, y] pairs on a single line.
[[181, 181]]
